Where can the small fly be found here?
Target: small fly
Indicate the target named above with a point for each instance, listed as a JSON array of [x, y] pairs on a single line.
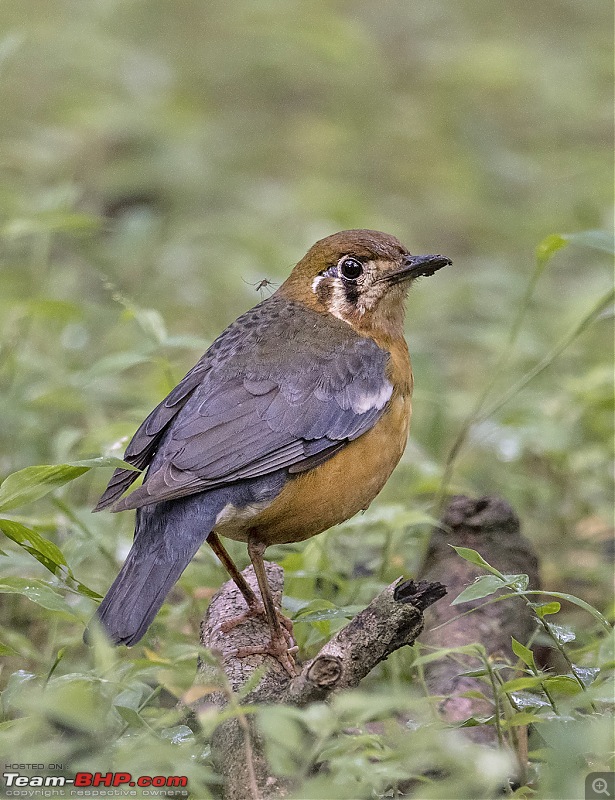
[[261, 286]]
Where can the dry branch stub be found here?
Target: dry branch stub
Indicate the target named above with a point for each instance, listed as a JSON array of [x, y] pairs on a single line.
[[392, 620], [490, 526]]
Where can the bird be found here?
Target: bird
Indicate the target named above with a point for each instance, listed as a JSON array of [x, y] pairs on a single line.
[[290, 423]]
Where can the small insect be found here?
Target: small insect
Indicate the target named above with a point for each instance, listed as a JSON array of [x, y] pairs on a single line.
[[260, 286]]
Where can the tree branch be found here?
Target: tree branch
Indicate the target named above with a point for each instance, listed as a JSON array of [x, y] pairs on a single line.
[[393, 619]]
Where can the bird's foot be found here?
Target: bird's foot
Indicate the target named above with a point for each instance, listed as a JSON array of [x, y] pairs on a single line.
[[281, 646], [277, 648], [258, 610]]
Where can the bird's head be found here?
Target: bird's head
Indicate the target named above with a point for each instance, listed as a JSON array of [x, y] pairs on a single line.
[[360, 276]]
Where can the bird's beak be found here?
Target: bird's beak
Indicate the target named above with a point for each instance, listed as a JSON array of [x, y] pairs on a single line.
[[416, 267]]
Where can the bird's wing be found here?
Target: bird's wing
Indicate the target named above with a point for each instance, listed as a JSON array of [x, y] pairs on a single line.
[[144, 443], [288, 397]]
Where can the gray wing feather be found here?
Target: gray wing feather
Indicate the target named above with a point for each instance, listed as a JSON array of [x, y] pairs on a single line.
[[253, 408], [144, 443]]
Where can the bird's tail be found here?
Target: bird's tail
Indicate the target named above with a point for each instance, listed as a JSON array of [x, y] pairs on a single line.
[[167, 537]]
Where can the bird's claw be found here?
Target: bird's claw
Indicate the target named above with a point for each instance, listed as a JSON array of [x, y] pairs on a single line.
[[276, 648], [257, 611], [282, 647]]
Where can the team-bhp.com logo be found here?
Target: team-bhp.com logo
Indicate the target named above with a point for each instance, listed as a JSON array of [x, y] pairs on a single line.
[[18, 785]]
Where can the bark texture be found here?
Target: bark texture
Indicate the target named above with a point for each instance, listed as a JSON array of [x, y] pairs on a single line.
[[393, 619]]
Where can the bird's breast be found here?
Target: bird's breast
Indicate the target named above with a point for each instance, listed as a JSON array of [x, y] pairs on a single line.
[[336, 490]]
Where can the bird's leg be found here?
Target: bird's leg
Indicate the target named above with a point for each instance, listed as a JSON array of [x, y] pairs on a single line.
[[213, 540], [255, 607], [278, 647]]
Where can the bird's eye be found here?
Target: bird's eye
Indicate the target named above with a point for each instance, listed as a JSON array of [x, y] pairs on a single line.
[[350, 268]]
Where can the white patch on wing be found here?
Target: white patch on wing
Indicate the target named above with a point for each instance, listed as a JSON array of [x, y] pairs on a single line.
[[231, 513], [374, 400]]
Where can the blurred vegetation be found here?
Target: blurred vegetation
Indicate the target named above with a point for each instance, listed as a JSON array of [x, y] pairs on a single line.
[[159, 159]]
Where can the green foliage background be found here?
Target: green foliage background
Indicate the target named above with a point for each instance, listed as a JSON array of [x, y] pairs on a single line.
[[161, 158]]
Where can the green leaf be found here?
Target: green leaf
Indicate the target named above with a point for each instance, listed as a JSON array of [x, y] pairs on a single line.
[[48, 222], [607, 652], [482, 587], [474, 722], [151, 323], [356, 707], [5, 650], [596, 240], [130, 716], [475, 558], [522, 718], [32, 483], [467, 649], [284, 737], [113, 364], [187, 342], [104, 461], [518, 582], [481, 673], [474, 694], [582, 604], [548, 247], [43, 550], [46, 553], [524, 653], [49, 308], [56, 661], [346, 612], [577, 602], [516, 684], [543, 609], [179, 734], [132, 697], [588, 319], [37, 591], [562, 684]]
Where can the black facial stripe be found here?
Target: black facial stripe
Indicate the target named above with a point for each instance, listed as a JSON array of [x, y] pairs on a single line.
[[351, 291]]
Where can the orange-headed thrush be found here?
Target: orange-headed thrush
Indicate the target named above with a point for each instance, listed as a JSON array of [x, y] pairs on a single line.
[[290, 423]]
